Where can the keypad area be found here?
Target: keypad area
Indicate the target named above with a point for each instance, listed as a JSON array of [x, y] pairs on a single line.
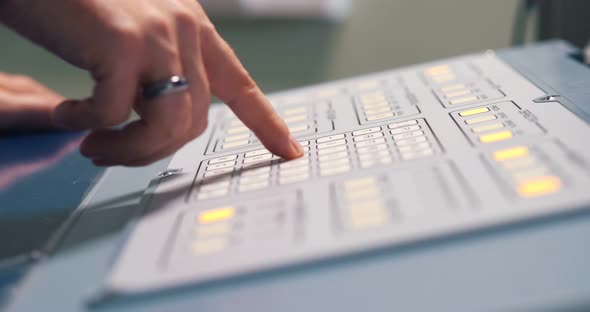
[[495, 123], [324, 157], [383, 104]]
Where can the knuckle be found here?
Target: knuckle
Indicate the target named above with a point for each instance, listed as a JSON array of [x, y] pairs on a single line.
[[208, 29], [160, 25], [127, 38]]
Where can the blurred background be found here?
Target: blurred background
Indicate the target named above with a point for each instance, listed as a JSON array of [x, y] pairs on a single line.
[[291, 43]]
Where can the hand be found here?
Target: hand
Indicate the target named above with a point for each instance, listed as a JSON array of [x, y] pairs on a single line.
[[25, 104], [125, 44]]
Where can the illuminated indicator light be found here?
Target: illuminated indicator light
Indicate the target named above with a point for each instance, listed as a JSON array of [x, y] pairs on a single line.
[[477, 120], [496, 136], [295, 111], [437, 70], [490, 127], [363, 193], [237, 129], [457, 93], [234, 138], [209, 245], [368, 84], [216, 215], [463, 100], [298, 128], [511, 153], [540, 186], [453, 87], [235, 144], [474, 111], [216, 229], [295, 118]]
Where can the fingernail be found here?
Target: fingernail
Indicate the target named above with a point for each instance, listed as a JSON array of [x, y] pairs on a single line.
[[296, 148]]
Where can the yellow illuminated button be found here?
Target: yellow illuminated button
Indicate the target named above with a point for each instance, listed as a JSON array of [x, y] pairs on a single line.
[[490, 127], [511, 153], [295, 111], [496, 136], [438, 70], [453, 87], [540, 186], [477, 120], [209, 245], [216, 215], [474, 111]]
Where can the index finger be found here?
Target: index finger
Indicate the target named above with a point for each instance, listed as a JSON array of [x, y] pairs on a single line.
[[231, 83]]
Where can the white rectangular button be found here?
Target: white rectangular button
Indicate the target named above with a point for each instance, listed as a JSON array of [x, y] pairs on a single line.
[[411, 141], [212, 194], [333, 156], [293, 171], [413, 147], [257, 153], [402, 124], [464, 100], [293, 179], [376, 111], [220, 165], [295, 118], [375, 162], [248, 172], [330, 138], [236, 137], [370, 142], [378, 154], [404, 129], [379, 116], [237, 129], [222, 159], [257, 158], [295, 110], [252, 187], [218, 172], [366, 131], [408, 135], [298, 128], [215, 186], [253, 179], [334, 163], [235, 144], [371, 149], [294, 163], [368, 136], [335, 170], [333, 150], [331, 144], [413, 155], [304, 143]]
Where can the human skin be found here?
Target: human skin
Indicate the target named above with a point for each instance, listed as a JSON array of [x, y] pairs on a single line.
[[127, 44]]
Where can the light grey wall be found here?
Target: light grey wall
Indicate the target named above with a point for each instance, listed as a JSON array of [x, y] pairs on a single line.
[[380, 34]]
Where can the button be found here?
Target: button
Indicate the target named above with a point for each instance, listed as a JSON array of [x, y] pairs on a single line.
[[368, 163], [295, 111], [410, 141], [540, 186], [474, 111], [496, 136], [293, 179], [221, 165], [258, 164], [437, 70], [415, 147], [418, 154], [334, 163], [214, 186], [370, 142], [511, 153], [236, 122], [520, 163], [330, 138], [372, 156], [477, 120], [257, 158], [368, 136], [377, 111], [444, 78], [211, 194], [379, 116], [530, 174], [375, 105], [236, 144], [335, 170], [234, 138], [333, 156], [369, 84], [216, 229], [408, 135], [331, 144], [360, 182], [403, 124], [452, 87], [256, 179], [371, 149], [304, 143], [294, 163], [372, 96], [222, 159], [362, 193], [253, 187], [298, 128], [216, 215], [207, 246], [256, 153], [295, 118], [294, 170], [237, 129], [490, 127], [255, 171], [333, 150], [458, 93], [405, 129], [366, 131], [218, 172], [463, 100]]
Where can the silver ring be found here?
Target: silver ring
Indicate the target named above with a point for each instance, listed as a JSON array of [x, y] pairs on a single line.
[[171, 85]]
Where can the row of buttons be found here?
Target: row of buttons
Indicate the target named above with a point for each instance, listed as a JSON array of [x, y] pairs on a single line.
[[256, 170], [379, 105], [530, 174]]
